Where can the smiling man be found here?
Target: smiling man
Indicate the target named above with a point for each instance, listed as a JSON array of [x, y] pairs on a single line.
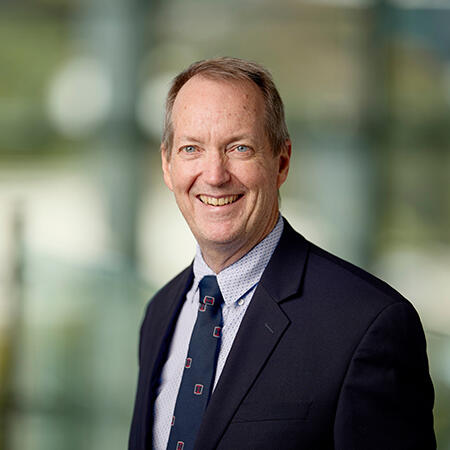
[[266, 341]]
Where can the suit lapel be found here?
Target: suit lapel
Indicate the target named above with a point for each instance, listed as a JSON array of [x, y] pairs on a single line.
[[160, 328], [165, 321], [261, 329]]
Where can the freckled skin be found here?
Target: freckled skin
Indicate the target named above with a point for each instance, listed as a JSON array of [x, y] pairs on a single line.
[[220, 148]]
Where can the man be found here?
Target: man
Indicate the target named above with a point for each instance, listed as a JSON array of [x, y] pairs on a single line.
[[301, 350]]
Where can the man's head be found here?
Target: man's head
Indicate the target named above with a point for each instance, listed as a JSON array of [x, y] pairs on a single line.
[[233, 69], [221, 164]]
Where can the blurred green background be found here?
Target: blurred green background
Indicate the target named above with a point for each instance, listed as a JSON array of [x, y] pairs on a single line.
[[88, 231]]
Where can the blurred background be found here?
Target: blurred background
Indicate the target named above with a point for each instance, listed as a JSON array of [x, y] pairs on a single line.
[[88, 231]]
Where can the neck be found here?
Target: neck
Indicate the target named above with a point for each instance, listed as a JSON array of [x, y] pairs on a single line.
[[220, 256]]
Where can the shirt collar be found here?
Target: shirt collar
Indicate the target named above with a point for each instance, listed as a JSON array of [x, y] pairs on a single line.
[[240, 277]]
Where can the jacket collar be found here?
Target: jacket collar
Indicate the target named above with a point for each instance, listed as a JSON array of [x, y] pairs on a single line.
[[284, 273]]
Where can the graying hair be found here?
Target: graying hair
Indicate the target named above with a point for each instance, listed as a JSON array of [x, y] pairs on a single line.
[[226, 68]]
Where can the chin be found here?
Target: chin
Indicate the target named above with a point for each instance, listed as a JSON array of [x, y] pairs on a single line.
[[218, 236]]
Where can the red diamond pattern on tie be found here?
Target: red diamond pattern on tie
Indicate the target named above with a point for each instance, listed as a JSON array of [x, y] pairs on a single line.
[[208, 300], [180, 445], [217, 332], [188, 363], [198, 389]]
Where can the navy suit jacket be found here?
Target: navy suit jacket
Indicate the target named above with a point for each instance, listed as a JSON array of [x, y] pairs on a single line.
[[327, 357]]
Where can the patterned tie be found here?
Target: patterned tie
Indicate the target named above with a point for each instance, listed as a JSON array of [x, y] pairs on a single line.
[[198, 376]]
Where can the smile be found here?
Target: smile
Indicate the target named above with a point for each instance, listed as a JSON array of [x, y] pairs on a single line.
[[221, 201]]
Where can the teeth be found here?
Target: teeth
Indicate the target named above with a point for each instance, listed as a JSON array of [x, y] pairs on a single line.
[[218, 201]]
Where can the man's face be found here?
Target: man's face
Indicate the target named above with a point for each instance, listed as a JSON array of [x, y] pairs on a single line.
[[221, 167]]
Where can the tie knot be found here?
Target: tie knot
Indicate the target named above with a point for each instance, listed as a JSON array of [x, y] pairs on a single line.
[[210, 292]]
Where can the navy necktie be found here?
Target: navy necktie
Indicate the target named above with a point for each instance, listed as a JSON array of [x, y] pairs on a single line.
[[200, 367]]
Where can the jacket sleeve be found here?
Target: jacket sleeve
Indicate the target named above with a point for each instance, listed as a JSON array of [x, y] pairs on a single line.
[[387, 397]]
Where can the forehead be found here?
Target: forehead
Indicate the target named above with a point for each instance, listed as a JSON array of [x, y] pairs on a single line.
[[203, 99]]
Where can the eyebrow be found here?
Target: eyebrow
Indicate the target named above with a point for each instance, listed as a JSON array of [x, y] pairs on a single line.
[[239, 137], [189, 139], [230, 140]]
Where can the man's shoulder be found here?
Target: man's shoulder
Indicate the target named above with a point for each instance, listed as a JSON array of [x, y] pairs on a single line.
[[334, 277], [340, 295], [162, 304], [179, 282], [342, 275]]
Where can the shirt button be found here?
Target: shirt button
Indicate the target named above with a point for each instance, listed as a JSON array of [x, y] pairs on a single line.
[[241, 302]]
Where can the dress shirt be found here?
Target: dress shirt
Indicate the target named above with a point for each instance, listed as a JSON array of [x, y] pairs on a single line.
[[237, 284]]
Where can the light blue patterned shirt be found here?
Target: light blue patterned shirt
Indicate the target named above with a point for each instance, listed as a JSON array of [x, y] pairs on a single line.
[[237, 284]]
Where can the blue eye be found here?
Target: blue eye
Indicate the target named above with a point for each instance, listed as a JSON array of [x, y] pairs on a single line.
[[242, 148], [189, 149]]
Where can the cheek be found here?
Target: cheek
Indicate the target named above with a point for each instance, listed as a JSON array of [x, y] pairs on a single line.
[[182, 180], [254, 173], [264, 179]]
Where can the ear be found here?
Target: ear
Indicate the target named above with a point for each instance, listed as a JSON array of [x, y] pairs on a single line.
[[166, 167], [284, 159]]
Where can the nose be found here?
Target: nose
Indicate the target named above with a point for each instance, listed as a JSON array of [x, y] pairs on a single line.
[[215, 170]]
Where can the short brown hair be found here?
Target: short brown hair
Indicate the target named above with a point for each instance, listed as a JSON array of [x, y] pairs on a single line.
[[226, 68]]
